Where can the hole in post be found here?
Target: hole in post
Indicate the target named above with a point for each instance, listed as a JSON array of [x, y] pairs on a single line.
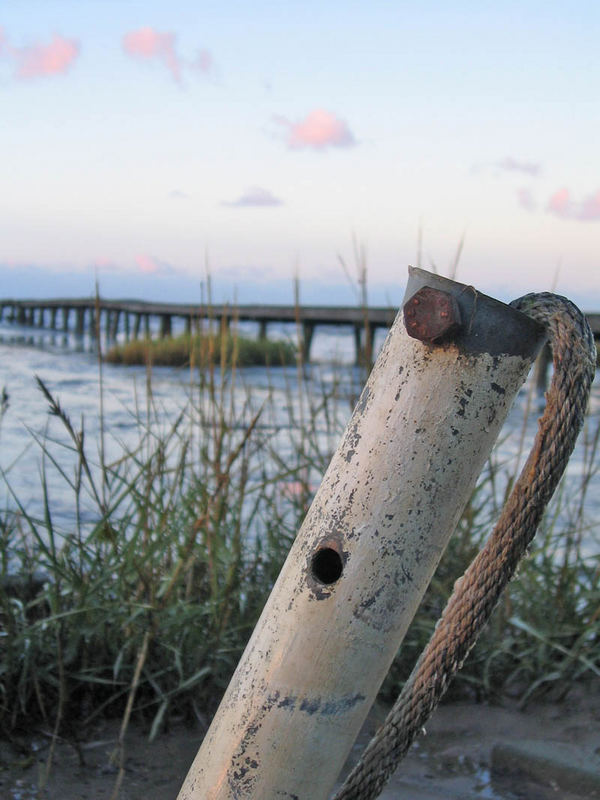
[[326, 565]]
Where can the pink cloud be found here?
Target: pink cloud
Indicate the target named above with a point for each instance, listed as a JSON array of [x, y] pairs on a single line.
[[149, 43], [319, 129], [150, 265], [147, 264], [561, 205], [41, 60]]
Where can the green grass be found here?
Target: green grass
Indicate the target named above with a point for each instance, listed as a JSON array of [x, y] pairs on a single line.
[[180, 351], [146, 610]]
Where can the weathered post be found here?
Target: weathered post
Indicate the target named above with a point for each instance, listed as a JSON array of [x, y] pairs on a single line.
[[113, 325], [165, 326], [108, 323], [93, 323], [363, 344], [425, 423], [357, 343], [308, 331], [80, 321]]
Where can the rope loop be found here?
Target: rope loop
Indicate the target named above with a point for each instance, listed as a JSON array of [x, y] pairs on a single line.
[[477, 592]]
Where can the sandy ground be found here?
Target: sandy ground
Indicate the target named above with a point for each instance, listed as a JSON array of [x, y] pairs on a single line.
[[454, 759]]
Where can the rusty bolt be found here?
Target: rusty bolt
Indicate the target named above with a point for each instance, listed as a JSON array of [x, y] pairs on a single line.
[[431, 315]]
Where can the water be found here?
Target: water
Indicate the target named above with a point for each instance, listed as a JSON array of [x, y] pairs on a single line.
[[72, 375], [69, 369]]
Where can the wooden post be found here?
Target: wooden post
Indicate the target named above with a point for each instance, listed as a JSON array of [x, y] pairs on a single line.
[[80, 321], [363, 343], [308, 330], [165, 325], [369, 335], [66, 310], [357, 344], [114, 325], [359, 566], [137, 325]]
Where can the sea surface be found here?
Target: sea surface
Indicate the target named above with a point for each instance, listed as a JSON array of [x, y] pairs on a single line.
[[35, 448]]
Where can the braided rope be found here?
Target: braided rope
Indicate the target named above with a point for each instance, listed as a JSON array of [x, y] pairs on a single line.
[[477, 592]]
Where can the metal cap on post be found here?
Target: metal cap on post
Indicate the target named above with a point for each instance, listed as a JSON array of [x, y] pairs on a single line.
[[425, 423]]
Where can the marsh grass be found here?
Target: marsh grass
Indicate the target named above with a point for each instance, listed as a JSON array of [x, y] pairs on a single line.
[[186, 349], [143, 607]]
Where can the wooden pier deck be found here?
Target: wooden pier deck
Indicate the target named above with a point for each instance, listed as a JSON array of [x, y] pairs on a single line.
[[136, 318]]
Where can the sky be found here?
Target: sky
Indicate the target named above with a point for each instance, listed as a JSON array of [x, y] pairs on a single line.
[[146, 144]]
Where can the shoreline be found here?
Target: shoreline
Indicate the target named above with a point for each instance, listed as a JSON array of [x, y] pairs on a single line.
[[462, 755]]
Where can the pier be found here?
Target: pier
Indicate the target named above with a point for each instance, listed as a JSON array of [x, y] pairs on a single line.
[[137, 319]]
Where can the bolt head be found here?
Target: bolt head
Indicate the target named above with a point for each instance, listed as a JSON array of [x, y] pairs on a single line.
[[431, 315]]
